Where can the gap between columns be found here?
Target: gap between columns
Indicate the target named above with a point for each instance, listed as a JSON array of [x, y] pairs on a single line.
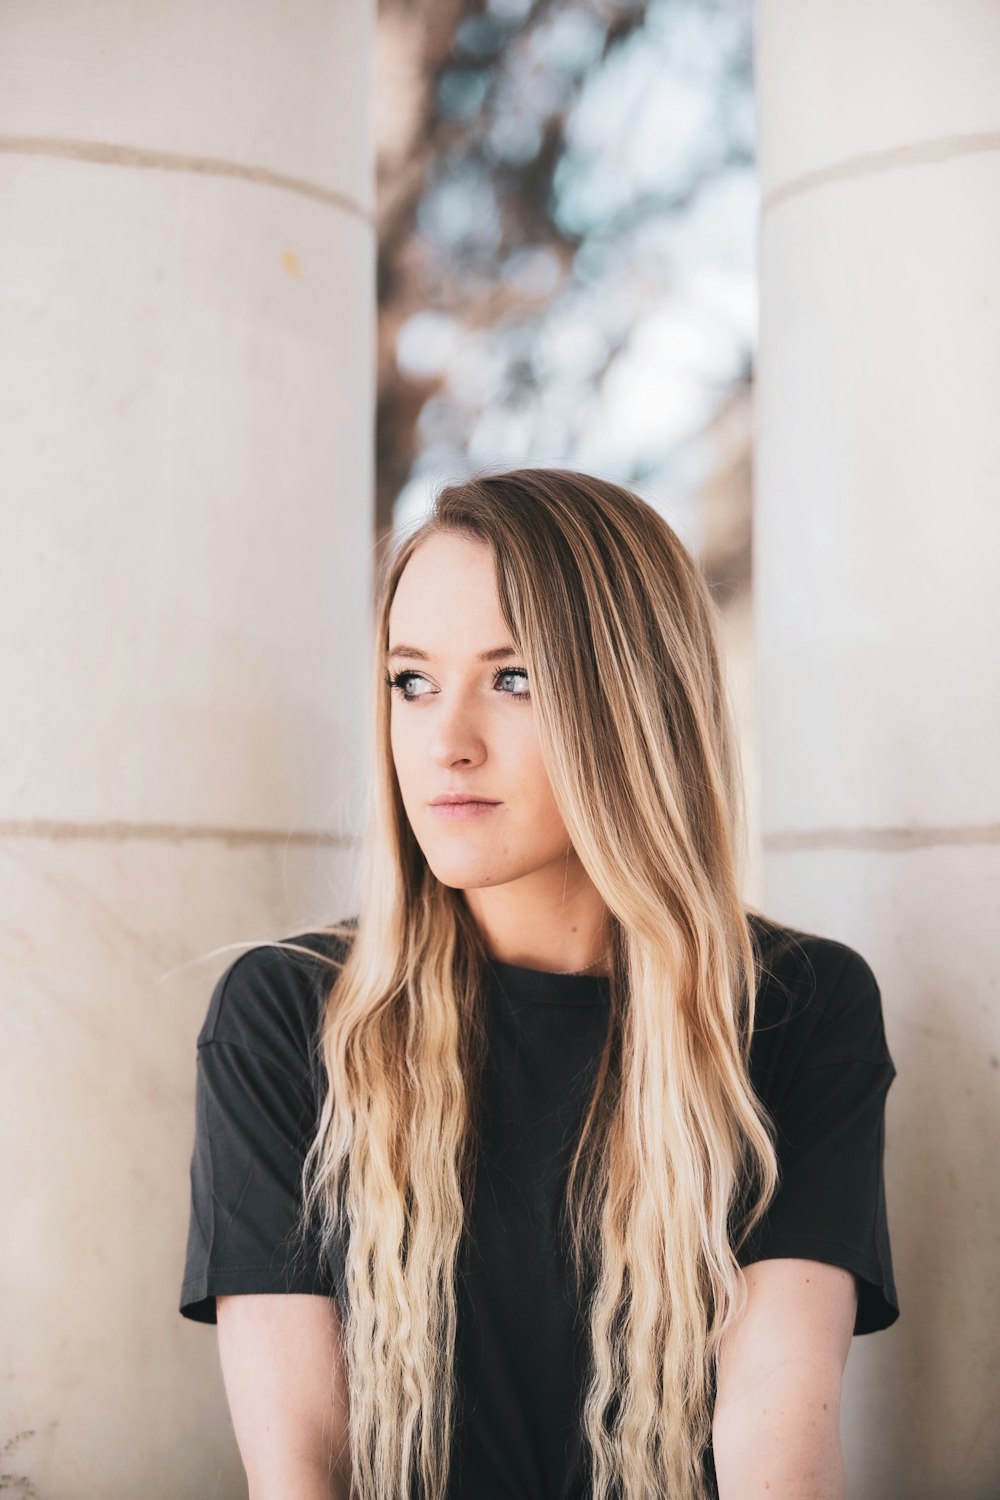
[[170, 833], [892, 839], [106, 153], [943, 149]]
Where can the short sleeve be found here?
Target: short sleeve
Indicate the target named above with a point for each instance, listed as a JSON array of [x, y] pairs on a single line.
[[830, 1204], [255, 1114]]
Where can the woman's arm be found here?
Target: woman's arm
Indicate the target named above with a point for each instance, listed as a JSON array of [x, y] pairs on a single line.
[[288, 1400], [776, 1426]]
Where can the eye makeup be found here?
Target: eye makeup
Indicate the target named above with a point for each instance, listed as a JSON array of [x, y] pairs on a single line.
[[398, 680]]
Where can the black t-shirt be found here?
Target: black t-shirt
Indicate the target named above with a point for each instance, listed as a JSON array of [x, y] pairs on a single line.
[[819, 1062]]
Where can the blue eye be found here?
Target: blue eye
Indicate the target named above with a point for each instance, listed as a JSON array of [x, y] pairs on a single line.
[[400, 679], [511, 672], [398, 683]]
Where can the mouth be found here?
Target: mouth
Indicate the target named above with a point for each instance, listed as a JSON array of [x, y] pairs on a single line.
[[453, 799], [462, 807]]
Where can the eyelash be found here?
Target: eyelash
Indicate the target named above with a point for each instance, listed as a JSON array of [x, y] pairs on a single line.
[[397, 681]]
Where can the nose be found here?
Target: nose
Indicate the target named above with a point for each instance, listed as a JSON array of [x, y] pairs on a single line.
[[457, 739]]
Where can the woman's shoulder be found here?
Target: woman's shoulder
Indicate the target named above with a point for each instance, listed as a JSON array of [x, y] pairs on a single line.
[[820, 988], [270, 997]]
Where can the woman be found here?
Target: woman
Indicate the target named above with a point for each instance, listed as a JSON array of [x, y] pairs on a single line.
[[570, 1161]]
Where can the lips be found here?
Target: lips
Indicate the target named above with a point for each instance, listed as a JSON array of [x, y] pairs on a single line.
[[461, 807], [460, 799]]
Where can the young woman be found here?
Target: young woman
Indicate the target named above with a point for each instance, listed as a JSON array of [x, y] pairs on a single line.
[[557, 1170]]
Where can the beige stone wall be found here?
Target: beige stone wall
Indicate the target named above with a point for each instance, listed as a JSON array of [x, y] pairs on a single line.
[[186, 407], [877, 534]]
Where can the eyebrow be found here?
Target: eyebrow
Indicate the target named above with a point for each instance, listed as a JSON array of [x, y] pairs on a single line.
[[498, 653]]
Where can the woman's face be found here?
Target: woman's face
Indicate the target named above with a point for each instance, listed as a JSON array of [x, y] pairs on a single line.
[[468, 725]]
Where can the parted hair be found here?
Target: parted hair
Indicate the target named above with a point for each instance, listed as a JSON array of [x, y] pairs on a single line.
[[675, 1160]]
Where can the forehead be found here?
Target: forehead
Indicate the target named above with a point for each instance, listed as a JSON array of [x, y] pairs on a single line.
[[448, 585]]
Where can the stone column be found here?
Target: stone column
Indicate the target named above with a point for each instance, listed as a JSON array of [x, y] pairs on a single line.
[[186, 410], [878, 620]]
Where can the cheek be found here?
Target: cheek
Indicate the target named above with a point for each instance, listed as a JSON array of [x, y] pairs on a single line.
[[400, 745], [535, 779]]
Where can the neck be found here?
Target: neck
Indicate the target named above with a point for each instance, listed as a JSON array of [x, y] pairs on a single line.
[[552, 920]]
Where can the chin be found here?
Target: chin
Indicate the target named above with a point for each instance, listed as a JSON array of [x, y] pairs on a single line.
[[470, 882], [466, 875]]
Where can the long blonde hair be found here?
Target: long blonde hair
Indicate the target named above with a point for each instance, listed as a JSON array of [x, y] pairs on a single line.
[[675, 1161]]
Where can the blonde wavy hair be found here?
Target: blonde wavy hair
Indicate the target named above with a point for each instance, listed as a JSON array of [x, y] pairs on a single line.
[[675, 1162]]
